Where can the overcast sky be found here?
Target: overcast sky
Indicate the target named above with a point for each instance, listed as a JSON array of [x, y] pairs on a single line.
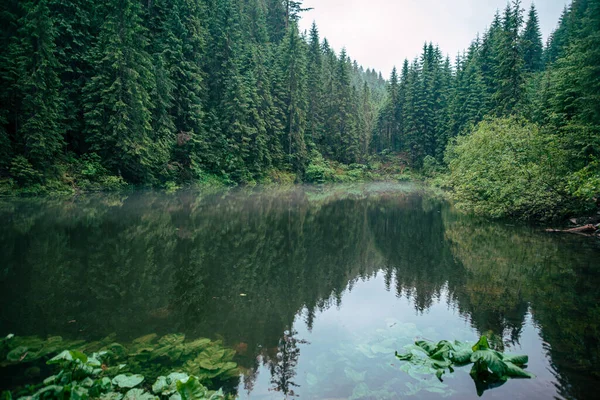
[[381, 33]]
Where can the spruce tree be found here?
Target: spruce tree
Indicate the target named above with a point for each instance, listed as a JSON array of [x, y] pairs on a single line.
[[531, 43], [76, 33], [40, 127], [118, 108], [293, 97], [314, 70], [510, 67], [178, 113]]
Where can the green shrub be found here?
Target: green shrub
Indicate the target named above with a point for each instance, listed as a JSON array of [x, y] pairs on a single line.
[[23, 172], [585, 183], [508, 168], [319, 170], [430, 167]]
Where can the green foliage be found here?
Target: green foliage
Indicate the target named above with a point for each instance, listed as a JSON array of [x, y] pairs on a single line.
[[508, 168], [319, 170], [490, 367], [140, 361], [585, 183], [24, 173], [80, 377]]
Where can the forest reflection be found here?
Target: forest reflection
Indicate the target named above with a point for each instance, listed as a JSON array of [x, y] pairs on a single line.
[[244, 265]]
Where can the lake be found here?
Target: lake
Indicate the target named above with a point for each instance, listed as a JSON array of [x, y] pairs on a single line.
[[314, 288]]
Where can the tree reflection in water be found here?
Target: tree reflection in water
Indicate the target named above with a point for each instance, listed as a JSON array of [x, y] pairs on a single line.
[[150, 262]]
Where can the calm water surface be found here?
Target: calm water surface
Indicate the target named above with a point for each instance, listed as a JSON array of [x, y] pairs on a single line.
[[315, 288]]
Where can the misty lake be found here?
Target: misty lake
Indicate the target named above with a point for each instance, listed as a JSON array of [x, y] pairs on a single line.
[[313, 288]]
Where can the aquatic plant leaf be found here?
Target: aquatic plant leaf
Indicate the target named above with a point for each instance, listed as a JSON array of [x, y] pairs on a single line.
[[138, 394], [516, 359], [490, 368], [79, 393], [515, 371], [146, 339], [361, 391], [192, 389], [354, 375], [166, 385], [462, 353], [60, 358], [101, 386], [439, 374], [87, 382], [427, 346], [111, 396], [489, 360], [435, 390], [380, 349], [17, 354], [482, 344], [404, 357], [54, 391], [127, 381]]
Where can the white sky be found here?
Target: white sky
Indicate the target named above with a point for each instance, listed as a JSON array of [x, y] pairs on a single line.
[[381, 33]]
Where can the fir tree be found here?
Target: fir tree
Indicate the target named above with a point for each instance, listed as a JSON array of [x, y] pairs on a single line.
[[117, 98], [531, 43], [293, 97], [41, 130]]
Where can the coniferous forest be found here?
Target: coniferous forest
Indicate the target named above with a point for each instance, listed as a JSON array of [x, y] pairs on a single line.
[[99, 95]]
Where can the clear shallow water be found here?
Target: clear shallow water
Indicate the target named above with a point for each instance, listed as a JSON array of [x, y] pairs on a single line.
[[315, 288]]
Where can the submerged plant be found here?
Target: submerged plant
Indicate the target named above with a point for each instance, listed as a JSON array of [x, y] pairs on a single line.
[[115, 371], [82, 377], [490, 368]]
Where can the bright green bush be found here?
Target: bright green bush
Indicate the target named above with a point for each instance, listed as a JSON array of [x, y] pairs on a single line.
[[319, 170], [508, 168]]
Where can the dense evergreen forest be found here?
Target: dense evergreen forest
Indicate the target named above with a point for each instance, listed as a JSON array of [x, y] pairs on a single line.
[[168, 92], [175, 90]]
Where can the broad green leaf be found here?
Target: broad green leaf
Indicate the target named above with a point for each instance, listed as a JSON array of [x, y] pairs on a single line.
[[17, 354], [87, 382], [516, 359], [514, 371], [79, 393], [138, 394], [404, 357], [111, 396], [429, 347], [482, 344], [65, 356], [439, 374], [192, 389], [489, 360], [167, 385], [127, 381], [77, 355]]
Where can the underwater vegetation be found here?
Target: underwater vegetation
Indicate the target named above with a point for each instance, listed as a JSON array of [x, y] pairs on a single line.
[[147, 368]]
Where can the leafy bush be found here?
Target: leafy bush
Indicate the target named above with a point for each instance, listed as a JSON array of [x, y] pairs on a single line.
[[585, 183], [430, 167], [508, 168], [319, 170]]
